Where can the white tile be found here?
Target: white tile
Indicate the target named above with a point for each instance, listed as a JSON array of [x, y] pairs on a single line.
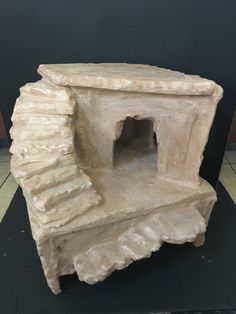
[[4, 171], [228, 179], [7, 192], [231, 156]]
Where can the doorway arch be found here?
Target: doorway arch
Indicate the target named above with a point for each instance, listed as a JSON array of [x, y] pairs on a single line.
[[136, 139]]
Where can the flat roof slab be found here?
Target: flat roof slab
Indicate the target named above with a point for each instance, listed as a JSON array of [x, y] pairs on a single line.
[[127, 77]]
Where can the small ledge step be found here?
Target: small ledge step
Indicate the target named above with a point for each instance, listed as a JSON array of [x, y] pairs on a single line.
[[33, 104], [68, 209], [41, 120], [58, 175], [47, 199], [49, 146], [28, 167], [32, 133], [46, 89]]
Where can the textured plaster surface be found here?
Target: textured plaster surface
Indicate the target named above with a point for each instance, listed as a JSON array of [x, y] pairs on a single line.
[[108, 158]]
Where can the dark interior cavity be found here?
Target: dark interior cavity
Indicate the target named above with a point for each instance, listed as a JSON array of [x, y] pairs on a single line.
[[136, 143]]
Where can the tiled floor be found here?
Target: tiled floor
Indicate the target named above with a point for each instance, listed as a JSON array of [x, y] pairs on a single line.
[[8, 185], [228, 173]]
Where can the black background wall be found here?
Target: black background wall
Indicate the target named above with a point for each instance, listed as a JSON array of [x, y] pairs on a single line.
[[192, 36]]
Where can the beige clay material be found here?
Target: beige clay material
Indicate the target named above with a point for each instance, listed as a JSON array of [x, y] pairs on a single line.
[[108, 159]]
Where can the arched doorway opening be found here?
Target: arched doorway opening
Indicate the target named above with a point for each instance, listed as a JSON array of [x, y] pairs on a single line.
[[136, 144]]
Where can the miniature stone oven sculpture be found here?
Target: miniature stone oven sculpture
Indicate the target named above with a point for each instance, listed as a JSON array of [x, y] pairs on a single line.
[[108, 158]]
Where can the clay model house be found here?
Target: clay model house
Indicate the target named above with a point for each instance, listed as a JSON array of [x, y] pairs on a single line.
[[108, 158]]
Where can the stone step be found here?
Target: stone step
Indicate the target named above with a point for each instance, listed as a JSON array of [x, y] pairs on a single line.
[[133, 245], [33, 134], [138, 241], [49, 146], [49, 178], [130, 246], [74, 206], [46, 89], [150, 232], [26, 168], [107, 257], [56, 194], [45, 106], [41, 121], [60, 159], [178, 227]]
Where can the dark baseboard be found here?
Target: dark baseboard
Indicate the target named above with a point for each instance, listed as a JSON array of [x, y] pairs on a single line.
[[4, 143]]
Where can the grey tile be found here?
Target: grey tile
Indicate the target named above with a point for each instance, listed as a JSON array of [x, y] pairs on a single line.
[[231, 156], [4, 154], [225, 161], [228, 179], [234, 167], [7, 192], [4, 171]]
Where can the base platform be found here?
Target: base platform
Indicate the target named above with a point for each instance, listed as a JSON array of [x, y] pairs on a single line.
[[177, 278]]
